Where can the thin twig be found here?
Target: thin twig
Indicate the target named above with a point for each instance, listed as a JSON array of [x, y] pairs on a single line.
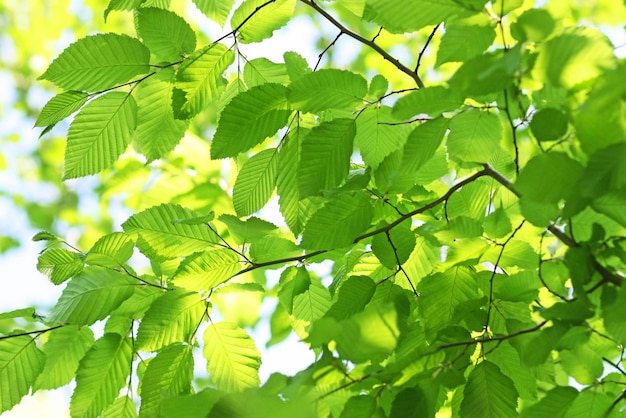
[[366, 41], [38, 332], [493, 339], [430, 38], [321, 55]]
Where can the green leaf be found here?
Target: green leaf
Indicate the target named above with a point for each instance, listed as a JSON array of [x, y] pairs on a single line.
[[216, 10], [422, 144], [255, 182], [99, 134], [293, 206], [265, 19], [122, 407], [359, 406], [553, 405], [168, 36], [121, 5], [232, 358], [199, 80], [26, 313], [206, 270], [261, 70], [101, 374], [339, 222], [327, 89], [59, 264], [45, 236], [395, 247], [548, 178], [432, 101], [613, 316], [411, 15], [605, 171], [20, 364], [411, 403], [463, 41], [590, 403], [309, 305], [533, 25], [64, 349], [489, 393], [249, 118], [273, 248], [325, 156], [375, 137], [169, 374], [577, 55], [548, 124], [583, 363], [158, 131], [61, 106], [119, 58], [442, 296], [112, 250], [160, 235], [293, 282], [612, 205], [172, 318], [250, 230], [369, 335], [91, 296], [296, 65], [354, 294], [474, 136]]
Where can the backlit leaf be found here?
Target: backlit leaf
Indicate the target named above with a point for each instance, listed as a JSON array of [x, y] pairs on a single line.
[[325, 156], [161, 235], [20, 364], [338, 223], [59, 264], [217, 10], [168, 374], [327, 89], [97, 62], [172, 318], [61, 106], [255, 182], [232, 359], [474, 136], [203, 271], [91, 296], [489, 393], [413, 14], [101, 374], [99, 134], [199, 80], [266, 19], [249, 118], [167, 35]]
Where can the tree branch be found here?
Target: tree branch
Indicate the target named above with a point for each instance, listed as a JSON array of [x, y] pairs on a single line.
[[493, 339], [367, 42], [38, 332]]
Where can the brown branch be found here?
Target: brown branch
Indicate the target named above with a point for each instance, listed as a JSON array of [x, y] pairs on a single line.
[[493, 339], [367, 42], [38, 332], [421, 54], [321, 55]]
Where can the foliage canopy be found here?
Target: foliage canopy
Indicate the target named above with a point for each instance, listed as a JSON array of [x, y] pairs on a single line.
[[451, 238]]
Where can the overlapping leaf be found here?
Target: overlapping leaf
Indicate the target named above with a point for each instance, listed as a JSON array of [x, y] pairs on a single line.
[[158, 131], [255, 182], [168, 374], [168, 35], [325, 156], [474, 136], [91, 296], [249, 118], [20, 364], [232, 359], [204, 271], [112, 250], [217, 10], [338, 223], [61, 106], [327, 89], [199, 80], [64, 349], [171, 318], [162, 235], [99, 134], [98, 62], [101, 374], [261, 18], [489, 393], [413, 14], [59, 264], [377, 136]]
